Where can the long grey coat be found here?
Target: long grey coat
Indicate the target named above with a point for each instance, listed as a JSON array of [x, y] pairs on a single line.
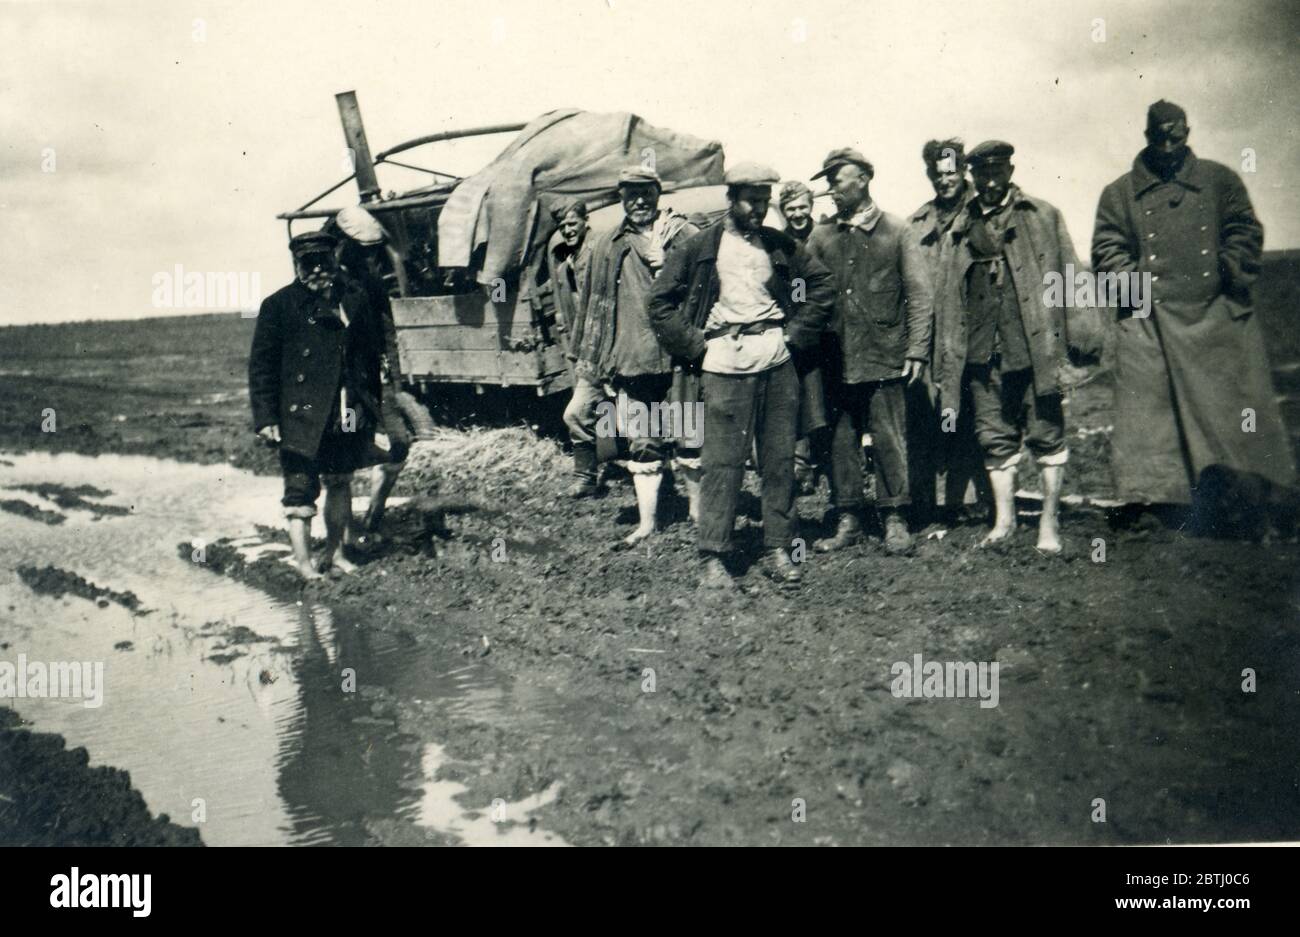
[[1192, 383]]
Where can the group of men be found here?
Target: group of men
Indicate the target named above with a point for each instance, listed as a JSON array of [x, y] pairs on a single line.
[[934, 336]]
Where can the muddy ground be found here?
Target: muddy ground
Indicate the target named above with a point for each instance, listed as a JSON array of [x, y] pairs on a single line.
[[708, 718]]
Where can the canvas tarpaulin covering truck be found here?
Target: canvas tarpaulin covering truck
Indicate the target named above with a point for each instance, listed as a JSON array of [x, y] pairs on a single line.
[[467, 265]]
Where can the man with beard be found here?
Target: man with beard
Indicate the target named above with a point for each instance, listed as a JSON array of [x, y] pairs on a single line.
[[882, 328], [616, 349], [314, 387], [943, 455], [729, 306], [1192, 382], [1000, 336]]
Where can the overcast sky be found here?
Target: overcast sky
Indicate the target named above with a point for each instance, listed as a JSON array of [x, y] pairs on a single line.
[[179, 129]]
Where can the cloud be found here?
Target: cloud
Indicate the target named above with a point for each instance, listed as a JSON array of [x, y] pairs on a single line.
[[171, 150]]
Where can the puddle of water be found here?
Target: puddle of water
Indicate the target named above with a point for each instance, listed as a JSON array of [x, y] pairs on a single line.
[[254, 742]]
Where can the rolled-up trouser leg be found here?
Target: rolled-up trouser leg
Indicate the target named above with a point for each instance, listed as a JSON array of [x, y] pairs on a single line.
[[580, 414], [301, 484], [776, 420], [729, 416]]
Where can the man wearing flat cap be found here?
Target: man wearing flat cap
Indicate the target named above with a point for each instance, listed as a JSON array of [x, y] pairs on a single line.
[[795, 204], [314, 387], [1000, 342], [1192, 382], [881, 332], [616, 347], [729, 307]]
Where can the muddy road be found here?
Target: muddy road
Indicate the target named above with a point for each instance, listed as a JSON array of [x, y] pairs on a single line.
[[518, 678]]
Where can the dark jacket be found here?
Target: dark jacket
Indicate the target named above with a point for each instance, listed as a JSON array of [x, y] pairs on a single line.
[[1037, 243], [688, 287], [883, 297], [302, 355]]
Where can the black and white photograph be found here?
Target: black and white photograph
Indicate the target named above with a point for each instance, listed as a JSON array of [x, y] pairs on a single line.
[[650, 423]]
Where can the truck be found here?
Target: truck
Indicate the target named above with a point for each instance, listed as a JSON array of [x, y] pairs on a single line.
[[466, 265]]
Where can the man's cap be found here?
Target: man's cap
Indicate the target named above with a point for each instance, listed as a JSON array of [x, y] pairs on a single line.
[[639, 175], [845, 156], [751, 174], [1164, 112], [312, 242], [989, 152], [792, 190], [360, 225]]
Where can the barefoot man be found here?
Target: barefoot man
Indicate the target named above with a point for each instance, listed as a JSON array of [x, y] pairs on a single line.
[[314, 386], [998, 338]]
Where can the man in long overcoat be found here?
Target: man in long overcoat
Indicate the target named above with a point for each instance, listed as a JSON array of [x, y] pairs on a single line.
[[1192, 381]]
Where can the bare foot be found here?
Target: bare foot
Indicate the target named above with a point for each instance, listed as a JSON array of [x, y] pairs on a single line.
[[1049, 542], [638, 535], [341, 564], [307, 570], [997, 535]]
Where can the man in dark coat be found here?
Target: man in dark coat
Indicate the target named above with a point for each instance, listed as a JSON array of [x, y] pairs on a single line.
[[314, 387], [1001, 339], [1192, 382], [946, 465], [728, 307], [882, 329]]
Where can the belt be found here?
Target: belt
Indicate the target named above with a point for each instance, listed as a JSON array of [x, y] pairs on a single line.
[[744, 328]]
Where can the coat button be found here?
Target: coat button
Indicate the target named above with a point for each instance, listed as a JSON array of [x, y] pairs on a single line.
[[1206, 273], [306, 352], [1205, 227], [293, 408], [301, 378], [1155, 277], [1205, 250], [1151, 257], [1150, 235], [306, 406]]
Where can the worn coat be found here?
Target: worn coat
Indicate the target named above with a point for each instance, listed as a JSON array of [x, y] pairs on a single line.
[[1187, 374], [297, 363], [688, 287], [1037, 244], [599, 316], [883, 311]]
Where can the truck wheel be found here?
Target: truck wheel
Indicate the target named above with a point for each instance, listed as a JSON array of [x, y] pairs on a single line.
[[417, 415]]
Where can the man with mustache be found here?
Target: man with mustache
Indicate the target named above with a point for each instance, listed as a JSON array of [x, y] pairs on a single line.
[[617, 349], [944, 457], [728, 307], [1192, 383], [314, 387], [881, 332]]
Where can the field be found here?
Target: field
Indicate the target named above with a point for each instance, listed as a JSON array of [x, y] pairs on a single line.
[[762, 716]]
